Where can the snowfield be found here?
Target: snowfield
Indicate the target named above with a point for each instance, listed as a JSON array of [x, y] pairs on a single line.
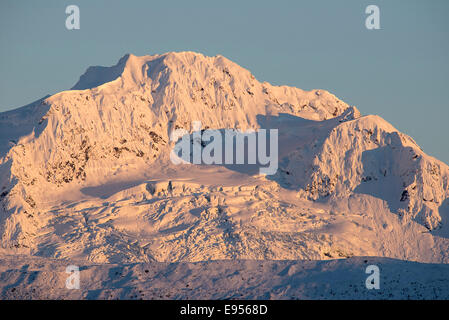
[[86, 179], [38, 278]]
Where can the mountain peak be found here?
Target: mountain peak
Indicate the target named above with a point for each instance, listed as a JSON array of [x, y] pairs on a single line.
[[135, 67]]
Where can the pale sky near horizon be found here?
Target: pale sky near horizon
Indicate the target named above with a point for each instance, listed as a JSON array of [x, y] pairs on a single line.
[[400, 72]]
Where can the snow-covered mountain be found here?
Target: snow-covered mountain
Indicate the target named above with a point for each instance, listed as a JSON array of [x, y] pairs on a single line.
[[86, 173]]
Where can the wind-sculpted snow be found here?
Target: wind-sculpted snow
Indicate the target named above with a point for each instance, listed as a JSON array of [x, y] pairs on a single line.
[[86, 173]]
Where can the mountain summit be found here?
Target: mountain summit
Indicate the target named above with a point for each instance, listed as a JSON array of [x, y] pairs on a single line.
[[86, 173]]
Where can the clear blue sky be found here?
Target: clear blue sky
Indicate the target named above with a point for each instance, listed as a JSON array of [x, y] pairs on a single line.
[[400, 72]]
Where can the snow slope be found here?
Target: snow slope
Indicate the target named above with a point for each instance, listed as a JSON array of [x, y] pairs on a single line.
[[85, 174], [38, 278]]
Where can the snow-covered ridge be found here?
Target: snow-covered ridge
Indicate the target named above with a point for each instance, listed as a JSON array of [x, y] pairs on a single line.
[[369, 156], [38, 278], [80, 168]]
